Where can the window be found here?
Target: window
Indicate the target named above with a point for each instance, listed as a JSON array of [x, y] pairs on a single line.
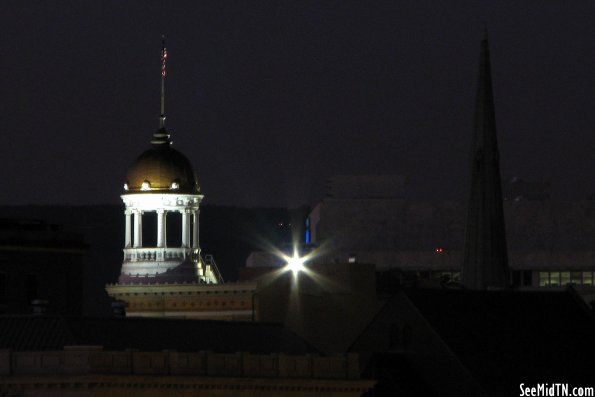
[[564, 278], [307, 232], [443, 277], [575, 278], [554, 278], [174, 226], [149, 226]]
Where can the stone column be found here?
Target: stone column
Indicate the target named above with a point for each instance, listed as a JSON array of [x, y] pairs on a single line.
[[195, 229], [160, 228], [128, 233], [138, 229], [185, 228]]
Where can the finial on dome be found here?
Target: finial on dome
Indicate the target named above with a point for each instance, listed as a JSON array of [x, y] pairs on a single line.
[[162, 136]]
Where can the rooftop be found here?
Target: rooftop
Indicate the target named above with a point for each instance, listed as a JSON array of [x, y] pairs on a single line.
[[44, 332]]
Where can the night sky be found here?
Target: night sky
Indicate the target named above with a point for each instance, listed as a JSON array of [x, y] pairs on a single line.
[[269, 99]]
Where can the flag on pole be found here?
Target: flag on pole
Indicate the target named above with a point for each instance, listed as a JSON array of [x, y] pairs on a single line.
[[163, 59]]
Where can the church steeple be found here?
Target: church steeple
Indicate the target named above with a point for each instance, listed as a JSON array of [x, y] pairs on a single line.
[[161, 137], [485, 261]]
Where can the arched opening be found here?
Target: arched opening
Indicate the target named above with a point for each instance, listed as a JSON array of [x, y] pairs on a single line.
[[150, 229], [174, 229]]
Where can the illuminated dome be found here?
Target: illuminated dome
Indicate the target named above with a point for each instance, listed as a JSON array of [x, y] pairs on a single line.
[[161, 169]]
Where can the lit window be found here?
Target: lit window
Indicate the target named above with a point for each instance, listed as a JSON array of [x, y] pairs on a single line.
[[446, 277], [544, 279], [146, 185], [564, 278], [125, 186], [555, 278], [587, 278], [175, 185]]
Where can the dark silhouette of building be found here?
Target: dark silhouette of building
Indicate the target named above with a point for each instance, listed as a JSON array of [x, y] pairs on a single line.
[[518, 189], [441, 342], [40, 264], [485, 259]]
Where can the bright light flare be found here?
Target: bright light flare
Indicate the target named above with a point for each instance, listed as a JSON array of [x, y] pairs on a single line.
[[295, 263]]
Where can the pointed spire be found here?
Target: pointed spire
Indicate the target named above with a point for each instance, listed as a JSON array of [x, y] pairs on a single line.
[[485, 261], [484, 36], [162, 136]]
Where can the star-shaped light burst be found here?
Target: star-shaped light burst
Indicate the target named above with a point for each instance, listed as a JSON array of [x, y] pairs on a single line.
[[295, 263]]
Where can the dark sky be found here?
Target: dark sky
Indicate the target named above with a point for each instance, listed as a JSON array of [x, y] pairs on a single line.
[[268, 99]]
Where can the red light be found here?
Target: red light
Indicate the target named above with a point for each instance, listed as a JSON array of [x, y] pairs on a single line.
[[439, 250]]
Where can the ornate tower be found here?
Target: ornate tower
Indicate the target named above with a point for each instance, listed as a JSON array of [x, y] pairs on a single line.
[[485, 261], [162, 181], [163, 272]]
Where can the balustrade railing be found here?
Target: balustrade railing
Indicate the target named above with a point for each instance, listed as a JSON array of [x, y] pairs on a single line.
[[156, 254]]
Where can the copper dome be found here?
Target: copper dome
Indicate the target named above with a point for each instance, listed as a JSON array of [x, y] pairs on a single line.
[[161, 169]]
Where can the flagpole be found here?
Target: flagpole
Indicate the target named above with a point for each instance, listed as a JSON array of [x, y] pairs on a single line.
[[163, 74]]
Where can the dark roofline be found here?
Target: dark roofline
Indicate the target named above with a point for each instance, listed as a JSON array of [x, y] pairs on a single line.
[[50, 332]]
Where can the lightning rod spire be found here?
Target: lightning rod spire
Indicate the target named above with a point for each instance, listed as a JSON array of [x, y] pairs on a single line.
[[163, 74], [161, 137]]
